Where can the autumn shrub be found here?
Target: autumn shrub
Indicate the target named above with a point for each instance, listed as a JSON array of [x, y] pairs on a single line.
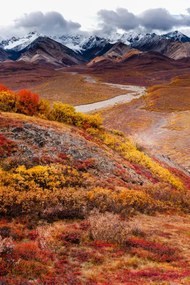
[[4, 268], [108, 227], [26, 250], [128, 150], [27, 102], [123, 201], [7, 146], [72, 237], [3, 88], [87, 121], [49, 204], [30, 269], [65, 113], [173, 198], [43, 108], [54, 176], [6, 245], [7, 101], [160, 252], [52, 191]]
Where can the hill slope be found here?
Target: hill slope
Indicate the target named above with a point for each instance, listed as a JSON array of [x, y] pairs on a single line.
[[75, 200]]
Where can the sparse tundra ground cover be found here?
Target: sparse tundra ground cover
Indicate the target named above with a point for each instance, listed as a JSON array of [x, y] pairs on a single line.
[[81, 204]]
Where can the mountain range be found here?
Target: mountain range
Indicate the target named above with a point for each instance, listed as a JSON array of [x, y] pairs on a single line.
[[69, 50]]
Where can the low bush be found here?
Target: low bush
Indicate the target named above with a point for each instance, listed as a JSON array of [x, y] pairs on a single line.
[[108, 227], [173, 198]]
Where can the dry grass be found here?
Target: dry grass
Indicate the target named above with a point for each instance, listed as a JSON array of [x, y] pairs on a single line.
[[74, 89], [108, 227], [169, 99]]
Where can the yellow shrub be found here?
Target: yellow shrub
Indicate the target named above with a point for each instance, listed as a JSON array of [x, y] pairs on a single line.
[[68, 201], [129, 151], [7, 101], [122, 201], [65, 113], [54, 176], [43, 108], [86, 121]]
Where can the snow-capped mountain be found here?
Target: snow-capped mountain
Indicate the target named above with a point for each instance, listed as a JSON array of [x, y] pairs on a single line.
[[74, 42], [77, 43], [94, 41], [135, 38], [17, 44], [177, 36], [46, 50], [174, 44], [82, 42]]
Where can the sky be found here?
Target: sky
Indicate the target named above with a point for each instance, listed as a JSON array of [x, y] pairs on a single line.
[[72, 16]]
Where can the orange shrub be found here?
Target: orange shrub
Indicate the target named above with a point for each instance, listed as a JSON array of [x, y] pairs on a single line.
[[27, 102]]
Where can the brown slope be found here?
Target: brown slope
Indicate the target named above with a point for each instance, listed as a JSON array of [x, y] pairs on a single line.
[[117, 53], [178, 50], [144, 68], [46, 50], [168, 47]]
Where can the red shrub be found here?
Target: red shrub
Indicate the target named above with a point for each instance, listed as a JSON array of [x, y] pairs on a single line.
[[33, 234], [160, 251], [27, 250], [29, 269], [27, 102], [6, 146], [71, 237], [4, 269], [3, 88], [101, 244]]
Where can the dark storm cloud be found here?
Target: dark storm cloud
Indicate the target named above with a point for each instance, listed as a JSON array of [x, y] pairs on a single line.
[[121, 18], [157, 19], [47, 23], [151, 19]]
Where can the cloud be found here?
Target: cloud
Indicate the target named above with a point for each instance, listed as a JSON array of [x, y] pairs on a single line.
[[151, 19], [54, 23], [47, 23], [121, 18], [157, 19], [50, 23]]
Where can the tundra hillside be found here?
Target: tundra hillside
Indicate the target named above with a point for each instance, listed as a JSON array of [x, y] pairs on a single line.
[[81, 204]]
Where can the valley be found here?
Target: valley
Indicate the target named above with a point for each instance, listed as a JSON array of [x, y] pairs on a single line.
[[94, 159]]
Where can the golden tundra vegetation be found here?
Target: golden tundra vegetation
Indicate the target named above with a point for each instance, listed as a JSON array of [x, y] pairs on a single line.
[[158, 121], [82, 204]]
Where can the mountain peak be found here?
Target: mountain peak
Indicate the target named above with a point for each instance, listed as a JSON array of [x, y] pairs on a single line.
[[177, 36]]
